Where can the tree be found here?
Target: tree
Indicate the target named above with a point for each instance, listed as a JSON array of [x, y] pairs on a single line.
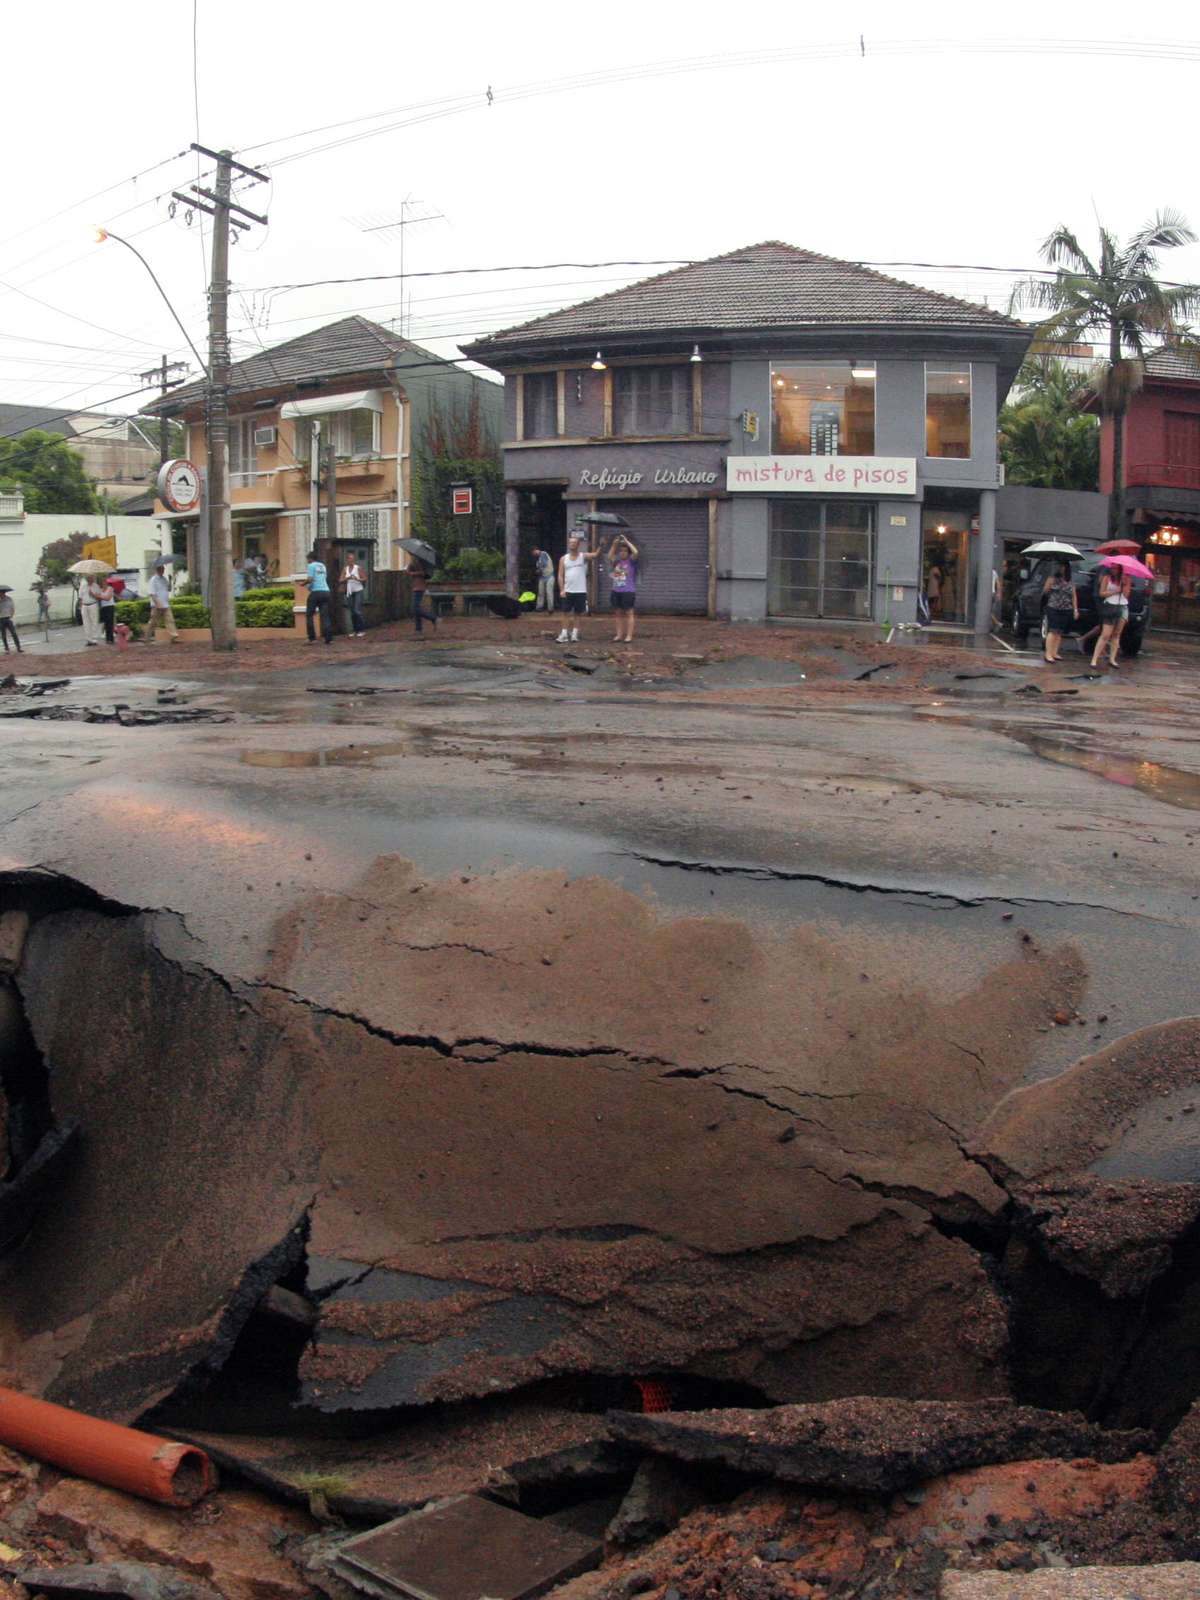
[[1118, 297], [49, 472], [456, 446], [1046, 438], [59, 555]]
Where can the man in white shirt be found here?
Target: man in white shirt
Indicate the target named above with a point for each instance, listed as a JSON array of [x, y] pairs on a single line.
[[352, 579], [160, 606]]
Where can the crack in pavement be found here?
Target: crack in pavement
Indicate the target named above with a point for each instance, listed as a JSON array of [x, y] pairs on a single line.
[[944, 897]]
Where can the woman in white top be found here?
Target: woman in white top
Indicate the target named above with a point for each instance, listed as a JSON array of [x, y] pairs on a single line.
[[352, 580], [1114, 613], [572, 584]]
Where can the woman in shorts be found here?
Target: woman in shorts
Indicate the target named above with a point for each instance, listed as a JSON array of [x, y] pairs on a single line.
[[622, 564], [1114, 613], [1062, 608]]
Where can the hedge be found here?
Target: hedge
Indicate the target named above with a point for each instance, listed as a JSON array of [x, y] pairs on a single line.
[[263, 608]]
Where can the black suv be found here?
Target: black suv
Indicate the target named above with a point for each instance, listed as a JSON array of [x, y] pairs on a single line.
[[1029, 603]]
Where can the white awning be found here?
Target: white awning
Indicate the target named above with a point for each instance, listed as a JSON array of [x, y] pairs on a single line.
[[324, 404]]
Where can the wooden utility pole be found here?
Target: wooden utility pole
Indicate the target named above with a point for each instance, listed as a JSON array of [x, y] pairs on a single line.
[[164, 373], [220, 572], [220, 523]]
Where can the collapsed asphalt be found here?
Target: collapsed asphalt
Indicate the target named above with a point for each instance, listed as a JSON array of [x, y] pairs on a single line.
[[538, 1024]]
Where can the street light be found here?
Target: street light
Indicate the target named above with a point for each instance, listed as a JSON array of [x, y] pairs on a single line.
[[101, 234]]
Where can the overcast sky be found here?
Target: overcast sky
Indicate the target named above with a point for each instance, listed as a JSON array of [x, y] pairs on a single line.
[[962, 135]]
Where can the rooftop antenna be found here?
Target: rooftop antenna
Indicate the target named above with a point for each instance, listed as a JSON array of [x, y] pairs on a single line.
[[405, 221]]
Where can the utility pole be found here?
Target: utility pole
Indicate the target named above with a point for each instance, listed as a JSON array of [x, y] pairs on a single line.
[[314, 488], [165, 375], [220, 574], [331, 490]]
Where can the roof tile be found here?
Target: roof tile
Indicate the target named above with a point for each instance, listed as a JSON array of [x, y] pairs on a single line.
[[763, 286]]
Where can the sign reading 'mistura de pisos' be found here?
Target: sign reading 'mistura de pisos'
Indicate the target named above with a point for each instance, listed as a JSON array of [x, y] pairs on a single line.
[[823, 474]]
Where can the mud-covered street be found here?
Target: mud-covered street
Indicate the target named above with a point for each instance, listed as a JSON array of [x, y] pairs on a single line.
[[421, 1052]]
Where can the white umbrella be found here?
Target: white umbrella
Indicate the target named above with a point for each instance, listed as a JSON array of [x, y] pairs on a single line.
[[1052, 547], [91, 569]]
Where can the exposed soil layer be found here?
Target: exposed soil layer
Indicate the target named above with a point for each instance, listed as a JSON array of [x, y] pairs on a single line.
[[876, 1446]]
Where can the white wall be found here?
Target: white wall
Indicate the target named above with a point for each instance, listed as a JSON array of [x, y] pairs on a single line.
[[22, 543]]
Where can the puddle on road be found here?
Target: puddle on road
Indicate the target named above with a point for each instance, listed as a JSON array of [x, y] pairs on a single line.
[[1169, 784], [349, 755]]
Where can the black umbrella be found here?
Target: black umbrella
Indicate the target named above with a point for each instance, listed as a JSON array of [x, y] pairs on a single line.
[[609, 519], [423, 552]]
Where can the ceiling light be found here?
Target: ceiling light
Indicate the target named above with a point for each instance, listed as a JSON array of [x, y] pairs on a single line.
[[599, 364], [941, 527], [779, 383], [861, 369], [695, 355]]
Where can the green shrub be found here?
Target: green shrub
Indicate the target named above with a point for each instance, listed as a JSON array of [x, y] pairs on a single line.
[[473, 565], [265, 609]]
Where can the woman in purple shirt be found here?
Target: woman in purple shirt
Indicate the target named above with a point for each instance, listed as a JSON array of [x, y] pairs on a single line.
[[622, 563]]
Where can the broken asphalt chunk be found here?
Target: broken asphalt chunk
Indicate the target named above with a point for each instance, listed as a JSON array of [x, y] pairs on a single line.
[[463, 1548], [125, 1580], [877, 1446]]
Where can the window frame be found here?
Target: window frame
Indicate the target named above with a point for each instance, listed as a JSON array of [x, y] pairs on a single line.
[[549, 383], [337, 426], [681, 383], [242, 429], [780, 368], [952, 367]]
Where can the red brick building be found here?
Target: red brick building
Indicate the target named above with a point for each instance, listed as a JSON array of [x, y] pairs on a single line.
[[1162, 482]]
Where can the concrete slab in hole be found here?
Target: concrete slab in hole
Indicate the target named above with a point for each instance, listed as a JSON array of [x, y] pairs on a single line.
[[1175, 1580], [462, 1548]]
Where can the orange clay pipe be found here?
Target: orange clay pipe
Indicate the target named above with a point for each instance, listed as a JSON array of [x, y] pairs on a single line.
[[123, 1458]]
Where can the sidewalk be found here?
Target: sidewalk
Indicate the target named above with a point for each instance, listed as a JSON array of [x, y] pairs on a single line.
[[62, 642]]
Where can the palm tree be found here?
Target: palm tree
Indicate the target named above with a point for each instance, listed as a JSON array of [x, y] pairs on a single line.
[[1046, 437], [1120, 298]]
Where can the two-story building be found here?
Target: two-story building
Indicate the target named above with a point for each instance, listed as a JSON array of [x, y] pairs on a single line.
[[1161, 502], [789, 436], [118, 454], [372, 392]]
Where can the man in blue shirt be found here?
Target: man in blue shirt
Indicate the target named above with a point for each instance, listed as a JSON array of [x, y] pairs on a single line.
[[319, 599]]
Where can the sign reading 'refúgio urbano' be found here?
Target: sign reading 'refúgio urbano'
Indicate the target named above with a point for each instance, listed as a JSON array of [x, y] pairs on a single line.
[[822, 474], [609, 479]]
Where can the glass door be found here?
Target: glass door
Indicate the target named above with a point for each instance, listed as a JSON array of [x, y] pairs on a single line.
[[821, 556]]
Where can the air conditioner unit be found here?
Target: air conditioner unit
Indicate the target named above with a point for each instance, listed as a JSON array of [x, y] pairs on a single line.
[[265, 435]]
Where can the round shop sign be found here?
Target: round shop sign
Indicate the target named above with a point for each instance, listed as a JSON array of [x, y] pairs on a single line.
[[178, 485]]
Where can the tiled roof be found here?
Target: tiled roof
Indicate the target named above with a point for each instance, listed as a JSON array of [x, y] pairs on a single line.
[[763, 286], [1166, 363], [354, 344], [20, 419]]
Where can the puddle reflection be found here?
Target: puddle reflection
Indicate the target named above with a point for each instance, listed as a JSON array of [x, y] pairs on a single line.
[[350, 755], [1168, 784]]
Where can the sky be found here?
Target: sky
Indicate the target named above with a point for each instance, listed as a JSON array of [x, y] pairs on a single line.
[[946, 134]]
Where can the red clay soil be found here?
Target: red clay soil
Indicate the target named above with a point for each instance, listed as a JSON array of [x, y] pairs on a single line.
[[775, 1544]]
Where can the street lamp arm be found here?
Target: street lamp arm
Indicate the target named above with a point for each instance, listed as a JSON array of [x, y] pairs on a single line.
[[101, 235]]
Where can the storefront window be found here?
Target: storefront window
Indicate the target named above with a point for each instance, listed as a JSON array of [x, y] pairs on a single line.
[[540, 417], [652, 400], [821, 556], [948, 409], [823, 409]]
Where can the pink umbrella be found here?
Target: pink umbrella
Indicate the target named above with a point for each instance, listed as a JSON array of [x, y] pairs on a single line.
[[1129, 564]]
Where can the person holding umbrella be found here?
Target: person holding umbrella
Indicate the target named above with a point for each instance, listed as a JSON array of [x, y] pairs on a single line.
[[419, 570], [1114, 611], [7, 625], [1062, 608]]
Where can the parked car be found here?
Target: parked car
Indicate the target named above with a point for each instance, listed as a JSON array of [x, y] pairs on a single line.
[[1029, 603]]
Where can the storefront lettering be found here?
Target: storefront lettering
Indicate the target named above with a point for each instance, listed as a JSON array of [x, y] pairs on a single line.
[[608, 479], [823, 474], [678, 477], [683, 475]]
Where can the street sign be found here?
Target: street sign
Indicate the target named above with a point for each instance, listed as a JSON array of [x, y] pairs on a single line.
[[462, 500]]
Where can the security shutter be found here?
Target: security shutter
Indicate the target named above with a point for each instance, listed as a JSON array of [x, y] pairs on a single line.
[[672, 539]]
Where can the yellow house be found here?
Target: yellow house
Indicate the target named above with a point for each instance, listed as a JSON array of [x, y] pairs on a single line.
[[371, 391]]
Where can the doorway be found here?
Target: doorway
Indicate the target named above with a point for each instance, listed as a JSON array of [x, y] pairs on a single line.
[[822, 554], [946, 565], [1173, 555]]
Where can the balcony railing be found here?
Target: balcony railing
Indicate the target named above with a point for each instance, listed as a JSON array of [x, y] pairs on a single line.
[[1162, 474]]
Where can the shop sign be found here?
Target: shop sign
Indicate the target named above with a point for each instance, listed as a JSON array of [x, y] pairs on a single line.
[[823, 474], [610, 479]]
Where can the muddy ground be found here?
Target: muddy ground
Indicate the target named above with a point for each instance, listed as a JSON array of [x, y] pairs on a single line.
[[774, 1015]]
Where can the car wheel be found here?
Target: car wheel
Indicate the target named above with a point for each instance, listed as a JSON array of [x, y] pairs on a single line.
[[1131, 643], [1020, 627], [1045, 627]]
